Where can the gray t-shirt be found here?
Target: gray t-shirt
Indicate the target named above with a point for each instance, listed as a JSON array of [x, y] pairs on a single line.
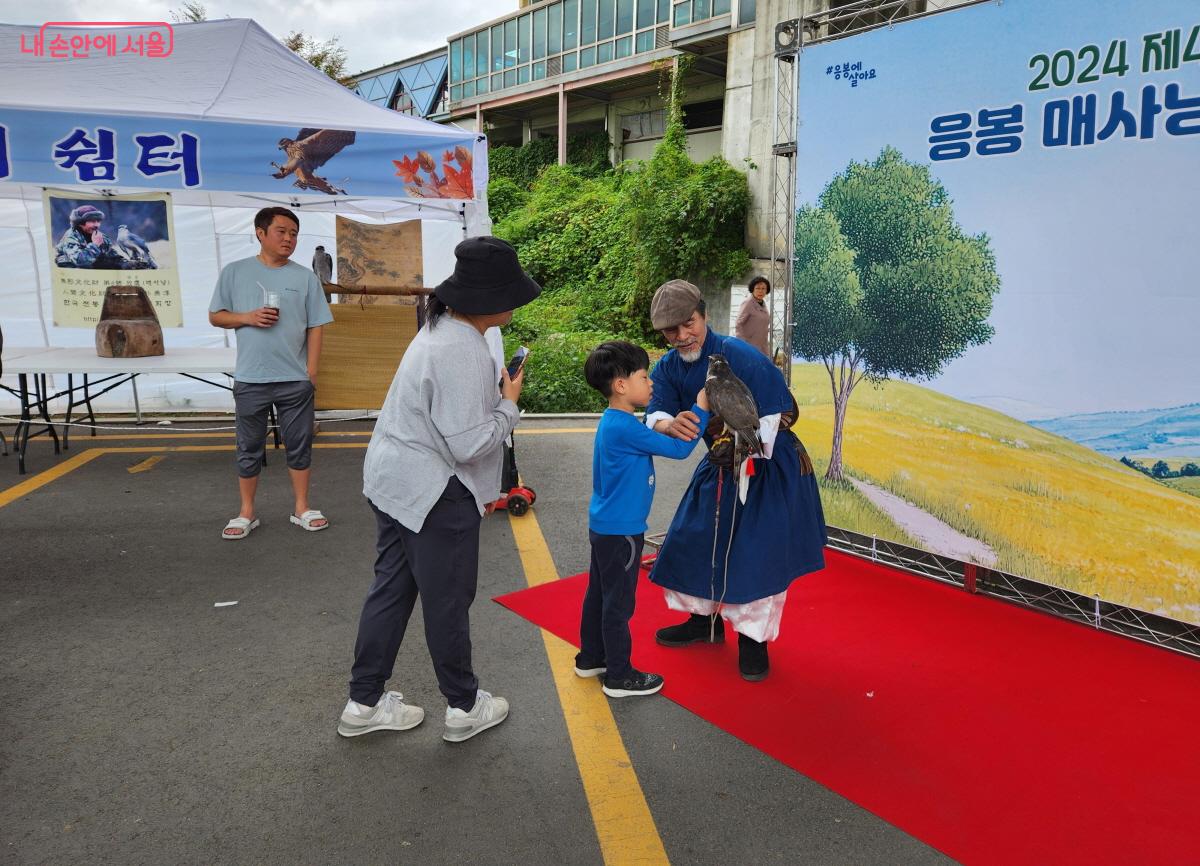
[[278, 353]]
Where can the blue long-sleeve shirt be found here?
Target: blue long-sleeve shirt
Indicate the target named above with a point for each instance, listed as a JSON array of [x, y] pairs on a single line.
[[623, 470]]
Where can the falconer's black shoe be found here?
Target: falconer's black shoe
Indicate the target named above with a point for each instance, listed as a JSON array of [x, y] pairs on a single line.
[[698, 628], [752, 659]]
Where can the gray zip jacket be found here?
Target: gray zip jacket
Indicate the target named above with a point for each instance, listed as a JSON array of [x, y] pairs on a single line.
[[443, 416]]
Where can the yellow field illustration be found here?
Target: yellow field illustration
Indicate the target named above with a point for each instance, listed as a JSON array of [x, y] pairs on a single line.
[[1050, 509]]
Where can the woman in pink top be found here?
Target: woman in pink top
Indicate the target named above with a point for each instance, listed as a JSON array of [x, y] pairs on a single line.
[[754, 321]]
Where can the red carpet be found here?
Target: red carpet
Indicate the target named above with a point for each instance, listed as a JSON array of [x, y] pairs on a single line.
[[995, 734]]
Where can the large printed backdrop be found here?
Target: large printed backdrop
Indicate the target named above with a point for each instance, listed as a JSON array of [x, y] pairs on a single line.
[[996, 290]]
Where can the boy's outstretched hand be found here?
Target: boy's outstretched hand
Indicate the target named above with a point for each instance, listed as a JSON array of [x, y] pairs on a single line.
[[702, 400], [685, 426]]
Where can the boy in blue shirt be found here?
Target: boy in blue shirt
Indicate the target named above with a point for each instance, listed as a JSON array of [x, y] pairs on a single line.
[[622, 492]]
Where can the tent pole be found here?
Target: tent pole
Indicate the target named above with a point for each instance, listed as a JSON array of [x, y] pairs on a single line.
[[37, 278], [212, 215]]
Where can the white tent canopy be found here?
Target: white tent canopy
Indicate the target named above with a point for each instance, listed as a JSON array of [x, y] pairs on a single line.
[[233, 72], [233, 77]]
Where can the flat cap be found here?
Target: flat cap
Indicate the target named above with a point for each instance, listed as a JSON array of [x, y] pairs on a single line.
[[673, 304]]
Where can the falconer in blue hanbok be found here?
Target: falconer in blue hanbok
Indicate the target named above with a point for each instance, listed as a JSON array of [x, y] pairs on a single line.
[[750, 521]]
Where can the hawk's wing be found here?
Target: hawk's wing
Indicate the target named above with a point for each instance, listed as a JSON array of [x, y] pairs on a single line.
[[732, 401], [318, 146]]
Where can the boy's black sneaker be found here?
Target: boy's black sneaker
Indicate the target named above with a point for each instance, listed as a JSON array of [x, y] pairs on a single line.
[[588, 667], [752, 659], [637, 683], [698, 628]]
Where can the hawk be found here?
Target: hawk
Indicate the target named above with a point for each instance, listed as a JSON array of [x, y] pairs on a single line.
[[322, 265], [134, 249], [733, 403], [308, 151]]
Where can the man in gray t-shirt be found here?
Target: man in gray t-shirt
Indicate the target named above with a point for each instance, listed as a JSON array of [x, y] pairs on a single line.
[[278, 309]]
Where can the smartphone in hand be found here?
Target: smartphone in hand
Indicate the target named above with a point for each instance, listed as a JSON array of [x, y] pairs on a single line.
[[517, 361]]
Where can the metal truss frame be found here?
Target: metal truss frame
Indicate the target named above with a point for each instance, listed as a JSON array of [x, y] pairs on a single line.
[[859, 16], [1119, 619], [783, 195]]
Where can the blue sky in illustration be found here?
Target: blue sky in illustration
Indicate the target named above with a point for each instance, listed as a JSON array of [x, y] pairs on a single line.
[[1098, 247]]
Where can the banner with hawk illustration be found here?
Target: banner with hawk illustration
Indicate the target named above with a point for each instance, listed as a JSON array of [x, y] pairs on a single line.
[[106, 152]]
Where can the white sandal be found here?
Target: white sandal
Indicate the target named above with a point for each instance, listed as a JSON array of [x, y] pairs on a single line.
[[245, 524], [305, 520]]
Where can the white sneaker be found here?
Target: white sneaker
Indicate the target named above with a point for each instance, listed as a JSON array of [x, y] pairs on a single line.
[[390, 714], [487, 713]]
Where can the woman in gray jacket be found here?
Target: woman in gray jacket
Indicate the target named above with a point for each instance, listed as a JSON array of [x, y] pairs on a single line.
[[754, 321], [432, 471]]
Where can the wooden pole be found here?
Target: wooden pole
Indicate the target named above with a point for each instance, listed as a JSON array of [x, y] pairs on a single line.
[[392, 291]]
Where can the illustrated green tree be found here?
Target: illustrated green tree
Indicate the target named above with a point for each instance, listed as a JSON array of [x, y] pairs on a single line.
[[1160, 469], [886, 282], [1189, 470]]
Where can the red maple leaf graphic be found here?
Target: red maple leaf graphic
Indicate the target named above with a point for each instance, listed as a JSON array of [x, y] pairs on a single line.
[[407, 169], [458, 184]]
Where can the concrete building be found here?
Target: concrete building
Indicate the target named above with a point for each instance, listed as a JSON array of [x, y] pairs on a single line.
[[561, 67]]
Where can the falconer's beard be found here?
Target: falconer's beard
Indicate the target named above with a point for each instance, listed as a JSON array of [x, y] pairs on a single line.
[[690, 357]]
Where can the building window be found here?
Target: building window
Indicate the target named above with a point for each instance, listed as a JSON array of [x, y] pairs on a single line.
[[687, 12], [703, 115], [648, 124], [652, 124], [403, 103], [746, 12], [556, 38]]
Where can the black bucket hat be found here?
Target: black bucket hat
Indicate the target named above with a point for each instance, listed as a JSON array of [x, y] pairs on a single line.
[[487, 279]]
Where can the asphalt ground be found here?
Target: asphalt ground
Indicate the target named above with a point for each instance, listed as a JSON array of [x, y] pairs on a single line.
[[139, 723]]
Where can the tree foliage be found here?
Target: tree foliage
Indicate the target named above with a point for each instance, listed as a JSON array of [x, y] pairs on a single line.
[[587, 154], [504, 196], [886, 282], [328, 56], [189, 13], [600, 246]]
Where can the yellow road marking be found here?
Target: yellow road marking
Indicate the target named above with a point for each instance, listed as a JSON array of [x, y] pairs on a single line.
[[549, 431], [29, 485], [147, 464], [622, 818], [72, 463], [624, 826]]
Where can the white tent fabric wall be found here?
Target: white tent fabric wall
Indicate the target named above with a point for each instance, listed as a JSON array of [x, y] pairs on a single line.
[[206, 238], [232, 72]]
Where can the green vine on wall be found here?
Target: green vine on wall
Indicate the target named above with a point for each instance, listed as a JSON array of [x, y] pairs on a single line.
[[587, 152], [600, 245]]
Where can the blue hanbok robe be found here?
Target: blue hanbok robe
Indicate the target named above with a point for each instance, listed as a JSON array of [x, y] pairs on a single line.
[[778, 534]]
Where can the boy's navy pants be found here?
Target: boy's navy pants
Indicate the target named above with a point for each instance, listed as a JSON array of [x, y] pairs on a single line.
[[608, 604]]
